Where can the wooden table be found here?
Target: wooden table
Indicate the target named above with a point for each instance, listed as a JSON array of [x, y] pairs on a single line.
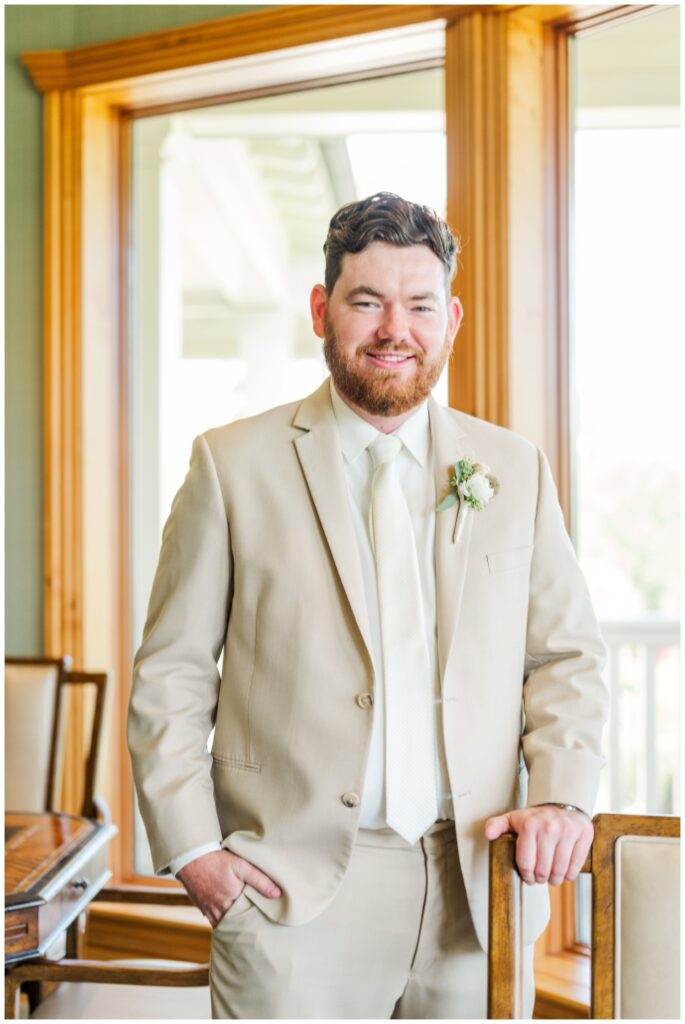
[[54, 865]]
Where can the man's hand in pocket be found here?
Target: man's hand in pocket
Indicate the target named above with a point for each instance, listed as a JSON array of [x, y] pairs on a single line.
[[215, 880]]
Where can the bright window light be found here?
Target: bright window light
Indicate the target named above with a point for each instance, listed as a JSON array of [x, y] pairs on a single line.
[[411, 164]]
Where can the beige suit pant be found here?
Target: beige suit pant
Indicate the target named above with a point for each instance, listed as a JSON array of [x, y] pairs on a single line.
[[395, 942]]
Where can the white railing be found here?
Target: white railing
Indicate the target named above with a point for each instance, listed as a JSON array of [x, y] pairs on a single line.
[[642, 736]]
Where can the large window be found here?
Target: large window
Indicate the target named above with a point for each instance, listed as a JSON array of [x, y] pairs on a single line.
[[625, 392], [231, 205]]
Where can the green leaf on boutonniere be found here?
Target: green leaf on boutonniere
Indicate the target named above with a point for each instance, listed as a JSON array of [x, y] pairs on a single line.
[[447, 502], [463, 470]]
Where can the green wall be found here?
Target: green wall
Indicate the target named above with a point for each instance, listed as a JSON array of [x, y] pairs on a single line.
[[42, 27]]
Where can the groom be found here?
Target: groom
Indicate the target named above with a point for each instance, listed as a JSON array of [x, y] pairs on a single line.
[[411, 665]]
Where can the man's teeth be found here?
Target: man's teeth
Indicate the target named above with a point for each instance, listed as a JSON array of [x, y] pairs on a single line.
[[390, 358]]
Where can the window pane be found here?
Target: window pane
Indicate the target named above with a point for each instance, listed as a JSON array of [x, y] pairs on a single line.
[[231, 206], [625, 393]]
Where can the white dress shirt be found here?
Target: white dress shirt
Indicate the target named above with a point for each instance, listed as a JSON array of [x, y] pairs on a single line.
[[416, 476], [415, 472]]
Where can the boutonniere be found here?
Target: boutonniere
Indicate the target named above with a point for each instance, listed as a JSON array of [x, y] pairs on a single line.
[[473, 486]]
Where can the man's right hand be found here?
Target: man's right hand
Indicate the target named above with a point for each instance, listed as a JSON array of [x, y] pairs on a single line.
[[215, 880]]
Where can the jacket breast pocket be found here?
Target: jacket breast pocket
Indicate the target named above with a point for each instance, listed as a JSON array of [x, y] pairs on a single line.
[[239, 764], [509, 559]]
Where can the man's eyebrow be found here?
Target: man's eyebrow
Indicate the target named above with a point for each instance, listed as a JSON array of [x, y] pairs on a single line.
[[364, 289]]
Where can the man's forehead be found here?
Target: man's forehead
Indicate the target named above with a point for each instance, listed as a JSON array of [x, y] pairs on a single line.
[[383, 259]]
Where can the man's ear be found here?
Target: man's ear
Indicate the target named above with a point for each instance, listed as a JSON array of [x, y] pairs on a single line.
[[455, 314], [317, 306]]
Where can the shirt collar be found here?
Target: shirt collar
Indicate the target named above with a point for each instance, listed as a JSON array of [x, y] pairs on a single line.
[[356, 433]]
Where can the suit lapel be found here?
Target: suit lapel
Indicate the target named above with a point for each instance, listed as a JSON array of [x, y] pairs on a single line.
[[450, 443], [320, 455]]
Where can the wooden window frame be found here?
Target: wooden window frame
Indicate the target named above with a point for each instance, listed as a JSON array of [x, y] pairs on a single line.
[[507, 163]]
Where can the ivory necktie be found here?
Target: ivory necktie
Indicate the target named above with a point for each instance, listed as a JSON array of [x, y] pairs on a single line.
[[410, 781]]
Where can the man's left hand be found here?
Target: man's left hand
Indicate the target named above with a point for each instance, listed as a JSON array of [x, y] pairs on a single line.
[[552, 844]]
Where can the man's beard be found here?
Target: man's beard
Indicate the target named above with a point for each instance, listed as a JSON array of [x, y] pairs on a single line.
[[380, 392]]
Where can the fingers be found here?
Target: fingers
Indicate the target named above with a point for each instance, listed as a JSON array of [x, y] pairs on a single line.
[[569, 856], [554, 843], [497, 826], [243, 873], [251, 875], [551, 847], [217, 910], [526, 851], [558, 866], [580, 852]]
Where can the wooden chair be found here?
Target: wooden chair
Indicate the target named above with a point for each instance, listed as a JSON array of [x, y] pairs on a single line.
[[36, 696], [93, 989], [69, 988], [634, 863]]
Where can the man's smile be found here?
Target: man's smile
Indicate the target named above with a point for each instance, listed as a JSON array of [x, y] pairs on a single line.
[[386, 359]]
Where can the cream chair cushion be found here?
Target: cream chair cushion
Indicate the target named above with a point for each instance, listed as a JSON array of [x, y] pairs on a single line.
[[30, 694], [72, 1001], [647, 963]]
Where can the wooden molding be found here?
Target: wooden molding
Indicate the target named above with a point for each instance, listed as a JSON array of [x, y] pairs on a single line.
[[115, 931], [562, 987], [274, 28], [62, 379], [62, 521], [476, 107], [562, 969], [222, 40], [578, 18], [139, 108], [557, 188], [122, 795]]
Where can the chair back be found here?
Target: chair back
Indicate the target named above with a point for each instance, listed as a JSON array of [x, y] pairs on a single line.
[[38, 695], [635, 867], [635, 957], [32, 696]]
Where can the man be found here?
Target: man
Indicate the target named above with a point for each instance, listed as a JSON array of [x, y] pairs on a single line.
[[408, 646]]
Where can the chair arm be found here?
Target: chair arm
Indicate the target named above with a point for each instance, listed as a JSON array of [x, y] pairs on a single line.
[[101, 811], [99, 971], [143, 894]]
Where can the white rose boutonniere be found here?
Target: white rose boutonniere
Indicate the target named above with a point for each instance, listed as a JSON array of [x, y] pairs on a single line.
[[473, 486]]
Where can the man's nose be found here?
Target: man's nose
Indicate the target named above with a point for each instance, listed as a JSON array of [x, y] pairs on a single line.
[[395, 325]]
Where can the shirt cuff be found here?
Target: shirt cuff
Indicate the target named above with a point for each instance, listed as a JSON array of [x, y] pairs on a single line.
[[177, 863]]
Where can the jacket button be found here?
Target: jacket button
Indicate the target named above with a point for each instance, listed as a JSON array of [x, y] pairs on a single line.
[[350, 799], [365, 700]]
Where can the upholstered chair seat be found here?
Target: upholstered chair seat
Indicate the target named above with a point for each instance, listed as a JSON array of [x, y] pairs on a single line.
[[85, 1001]]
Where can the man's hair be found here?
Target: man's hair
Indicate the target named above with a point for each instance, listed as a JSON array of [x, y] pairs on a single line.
[[386, 217]]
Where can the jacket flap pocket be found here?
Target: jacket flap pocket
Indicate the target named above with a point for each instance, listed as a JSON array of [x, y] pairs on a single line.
[[239, 763], [511, 558]]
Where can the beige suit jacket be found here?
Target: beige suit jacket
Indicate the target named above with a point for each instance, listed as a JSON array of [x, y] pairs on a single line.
[[259, 559]]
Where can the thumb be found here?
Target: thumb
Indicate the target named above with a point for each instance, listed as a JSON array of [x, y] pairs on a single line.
[[497, 826]]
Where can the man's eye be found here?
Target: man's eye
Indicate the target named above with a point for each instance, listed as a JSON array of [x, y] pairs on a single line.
[[364, 303], [424, 309]]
